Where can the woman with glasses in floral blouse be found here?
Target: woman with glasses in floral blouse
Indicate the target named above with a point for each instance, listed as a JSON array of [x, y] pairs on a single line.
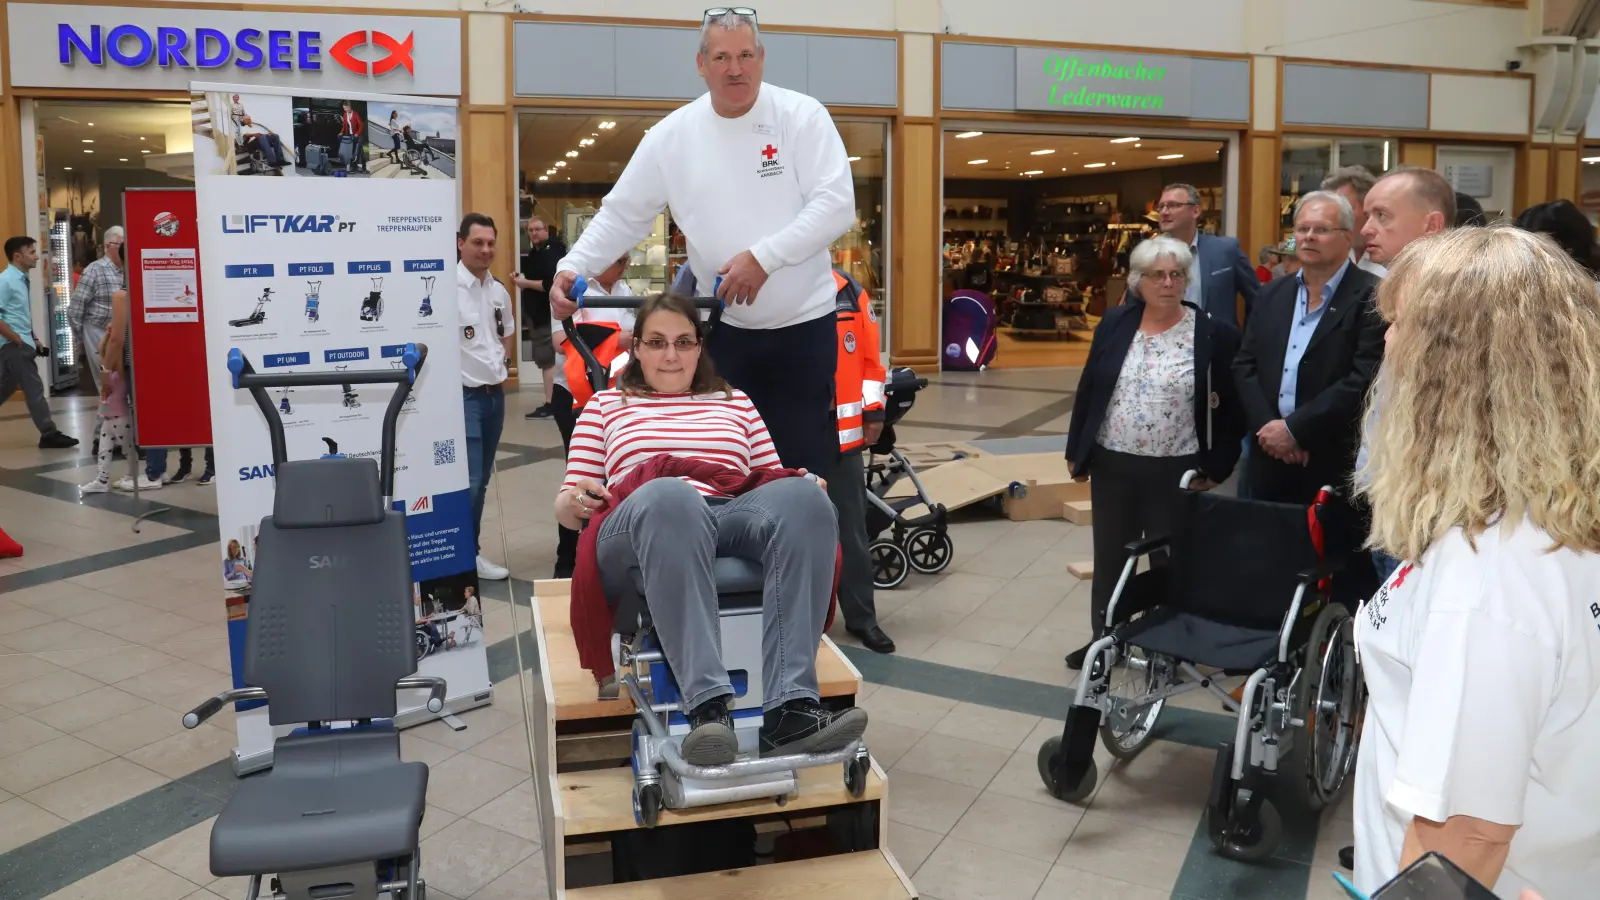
[[1155, 400]]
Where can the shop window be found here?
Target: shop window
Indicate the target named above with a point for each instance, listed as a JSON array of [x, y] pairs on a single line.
[[568, 162], [1306, 161]]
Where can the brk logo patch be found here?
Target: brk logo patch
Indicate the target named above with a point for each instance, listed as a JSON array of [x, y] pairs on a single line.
[[770, 164], [849, 342]]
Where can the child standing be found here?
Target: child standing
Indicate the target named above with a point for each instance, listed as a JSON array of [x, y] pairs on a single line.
[[114, 430]]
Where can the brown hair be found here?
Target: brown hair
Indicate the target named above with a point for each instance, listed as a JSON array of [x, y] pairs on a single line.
[[1430, 188], [706, 380]]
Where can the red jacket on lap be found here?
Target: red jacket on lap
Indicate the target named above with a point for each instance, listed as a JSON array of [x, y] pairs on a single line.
[[591, 613]]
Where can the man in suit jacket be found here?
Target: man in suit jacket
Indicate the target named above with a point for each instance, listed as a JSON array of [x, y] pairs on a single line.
[[1220, 271], [1308, 357]]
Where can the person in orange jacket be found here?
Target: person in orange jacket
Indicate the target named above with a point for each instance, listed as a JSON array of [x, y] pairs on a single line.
[[858, 418]]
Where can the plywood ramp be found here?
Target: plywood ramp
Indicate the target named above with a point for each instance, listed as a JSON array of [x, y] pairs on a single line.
[[858, 876], [577, 696], [968, 481], [600, 801]]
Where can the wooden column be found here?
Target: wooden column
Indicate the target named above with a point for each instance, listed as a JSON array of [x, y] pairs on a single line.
[[488, 188], [1261, 176], [1534, 184], [1566, 176], [917, 297], [11, 187]]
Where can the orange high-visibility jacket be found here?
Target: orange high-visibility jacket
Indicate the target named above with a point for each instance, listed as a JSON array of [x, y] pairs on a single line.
[[601, 339], [858, 381]]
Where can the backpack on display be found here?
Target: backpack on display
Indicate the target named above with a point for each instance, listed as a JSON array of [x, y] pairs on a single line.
[[970, 323]]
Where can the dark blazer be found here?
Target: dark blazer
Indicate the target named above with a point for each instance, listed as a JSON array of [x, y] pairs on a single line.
[[1225, 272], [1338, 366], [1215, 343]]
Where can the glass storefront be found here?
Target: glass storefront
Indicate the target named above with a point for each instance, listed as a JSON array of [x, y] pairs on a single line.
[[1308, 160], [568, 161]]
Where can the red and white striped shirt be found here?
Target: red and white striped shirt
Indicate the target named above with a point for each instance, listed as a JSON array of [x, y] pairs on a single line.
[[616, 433]]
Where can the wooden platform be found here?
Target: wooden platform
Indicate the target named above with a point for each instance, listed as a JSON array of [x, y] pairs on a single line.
[[1047, 481], [577, 695], [869, 875], [601, 801]]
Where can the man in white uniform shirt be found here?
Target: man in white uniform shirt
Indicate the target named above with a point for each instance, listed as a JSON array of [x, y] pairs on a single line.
[[485, 333], [759, 182]]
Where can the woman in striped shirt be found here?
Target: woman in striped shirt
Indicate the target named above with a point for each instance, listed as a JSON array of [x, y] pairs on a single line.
[[669, 400]]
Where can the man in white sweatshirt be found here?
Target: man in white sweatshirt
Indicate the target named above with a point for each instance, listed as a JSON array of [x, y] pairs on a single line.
[[758, 180]]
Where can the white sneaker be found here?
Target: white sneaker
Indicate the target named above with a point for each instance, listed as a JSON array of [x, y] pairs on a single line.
[[94, 487], [145, 484], [491, 572]]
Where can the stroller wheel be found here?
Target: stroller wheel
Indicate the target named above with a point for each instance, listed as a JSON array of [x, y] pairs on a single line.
[[929, 550], [890, 566]]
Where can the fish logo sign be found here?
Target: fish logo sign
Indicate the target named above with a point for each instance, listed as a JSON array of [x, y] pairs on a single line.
[[396, 55]]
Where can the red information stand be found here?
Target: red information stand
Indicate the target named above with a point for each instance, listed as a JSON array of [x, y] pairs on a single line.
[[162, 253]]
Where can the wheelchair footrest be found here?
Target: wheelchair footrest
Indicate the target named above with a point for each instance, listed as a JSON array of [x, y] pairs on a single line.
[[1078, 738]]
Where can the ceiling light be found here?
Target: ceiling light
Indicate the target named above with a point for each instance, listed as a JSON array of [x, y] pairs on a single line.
[[1113, 164], [560, 163], [968, 134], [88, 141], [141, 139], [1094, 165], [144, 151], [586, 142], [88, 151], [66, 168], [1124, 140], [544, 177], [123, 159], [855, 159], [607, 126], [1040, 152], [1591, 159], [91, 124], [976, 162], [1034, 172], [572, 154], [1179, 156], [1138, 146]]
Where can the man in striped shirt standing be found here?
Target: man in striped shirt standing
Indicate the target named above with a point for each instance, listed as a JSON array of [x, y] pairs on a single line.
[[89, 313]]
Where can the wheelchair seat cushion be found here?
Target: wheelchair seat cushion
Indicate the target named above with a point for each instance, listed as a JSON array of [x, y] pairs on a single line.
[[330, 799], [739, 581], [1202, 641]]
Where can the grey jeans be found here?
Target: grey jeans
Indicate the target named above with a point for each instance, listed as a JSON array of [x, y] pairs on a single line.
[[668, 531], [18, 369]]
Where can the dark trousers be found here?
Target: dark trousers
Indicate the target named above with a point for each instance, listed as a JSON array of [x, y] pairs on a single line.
[[566, 539], [847, 488], [1133, 497], [788, 373], [1265, 478], [18, 369]]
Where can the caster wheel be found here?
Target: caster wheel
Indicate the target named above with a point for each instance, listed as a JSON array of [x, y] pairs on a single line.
[[647, 805], [929, 550], [782, 800], [890, 565], [1247, 844], [422, 645], [855, 776], [1070, 793]]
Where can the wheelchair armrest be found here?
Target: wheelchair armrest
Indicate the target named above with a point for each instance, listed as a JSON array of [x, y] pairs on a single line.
[[1147, 545], [211, 707], [435, 685], [1324, 569]]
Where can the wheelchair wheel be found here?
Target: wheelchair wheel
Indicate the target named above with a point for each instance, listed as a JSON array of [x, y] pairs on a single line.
[[1246, 843], [1048, 751], [929, 550], [423, 644], [647, 805], [890, 565], [1143, 674], [1332, 702]]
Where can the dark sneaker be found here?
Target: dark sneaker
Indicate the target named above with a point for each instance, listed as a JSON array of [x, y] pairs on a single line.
[[1075, 658], [55, 440], [710, 741], [178, 477], [206, 478], [543, 412], [804, 726]]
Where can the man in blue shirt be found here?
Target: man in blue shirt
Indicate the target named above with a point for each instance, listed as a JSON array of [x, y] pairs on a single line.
[[19, 350], [1307, 358]]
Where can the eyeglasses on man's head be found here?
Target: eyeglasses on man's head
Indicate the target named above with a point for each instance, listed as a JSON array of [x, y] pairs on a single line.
[[717, 11]]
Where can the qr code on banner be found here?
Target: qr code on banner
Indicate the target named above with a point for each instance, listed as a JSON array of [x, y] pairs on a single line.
[[444, 452]]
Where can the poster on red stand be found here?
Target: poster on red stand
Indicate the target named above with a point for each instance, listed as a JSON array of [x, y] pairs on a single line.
[[166, 318]]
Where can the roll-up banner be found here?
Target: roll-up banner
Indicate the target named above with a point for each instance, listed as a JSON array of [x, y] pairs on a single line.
[[327, 243]]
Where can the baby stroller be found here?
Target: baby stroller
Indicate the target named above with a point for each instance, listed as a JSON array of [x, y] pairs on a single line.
[[922, 542]]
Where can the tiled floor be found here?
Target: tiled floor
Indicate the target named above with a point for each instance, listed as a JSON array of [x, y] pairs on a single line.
[[107, 636]]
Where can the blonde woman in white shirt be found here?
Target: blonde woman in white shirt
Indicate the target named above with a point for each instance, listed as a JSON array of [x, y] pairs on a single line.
[[1482, 654]]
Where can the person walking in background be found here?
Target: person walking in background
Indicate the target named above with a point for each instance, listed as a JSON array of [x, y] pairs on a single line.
[[1481, 656], [538, 271], [1352, 183], [485, 346], [89, 312], [18, 349], [759, 181], [1155, 400]]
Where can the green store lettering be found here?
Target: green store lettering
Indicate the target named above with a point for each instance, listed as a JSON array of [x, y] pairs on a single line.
[[1064, 69]]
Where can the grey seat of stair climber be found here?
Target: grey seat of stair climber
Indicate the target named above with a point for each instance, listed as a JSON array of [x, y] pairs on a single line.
[[331, 632], [739, 582]]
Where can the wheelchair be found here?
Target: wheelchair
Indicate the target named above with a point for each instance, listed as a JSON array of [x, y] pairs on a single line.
[[330, 643], [1247, 588], [662, 778]]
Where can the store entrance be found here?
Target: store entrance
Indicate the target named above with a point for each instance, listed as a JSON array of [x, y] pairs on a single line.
[[87, 155], [1042, 224]]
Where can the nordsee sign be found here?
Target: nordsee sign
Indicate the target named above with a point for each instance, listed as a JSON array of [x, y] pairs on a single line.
[[60, 46], [1086, 81]]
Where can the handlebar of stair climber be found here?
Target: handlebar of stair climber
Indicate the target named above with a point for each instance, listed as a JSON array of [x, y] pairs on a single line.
[[599, 377]]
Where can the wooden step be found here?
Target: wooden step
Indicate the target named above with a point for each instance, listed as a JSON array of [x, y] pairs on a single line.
[[576, 695], [600, 801], [1078, 512], [868, 875], [1083, 571]]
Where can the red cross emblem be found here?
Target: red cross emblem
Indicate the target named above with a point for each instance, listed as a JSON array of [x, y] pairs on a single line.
[[769, 152]]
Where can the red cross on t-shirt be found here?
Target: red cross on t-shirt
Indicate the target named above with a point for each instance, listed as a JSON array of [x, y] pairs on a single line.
[[770, 151]]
